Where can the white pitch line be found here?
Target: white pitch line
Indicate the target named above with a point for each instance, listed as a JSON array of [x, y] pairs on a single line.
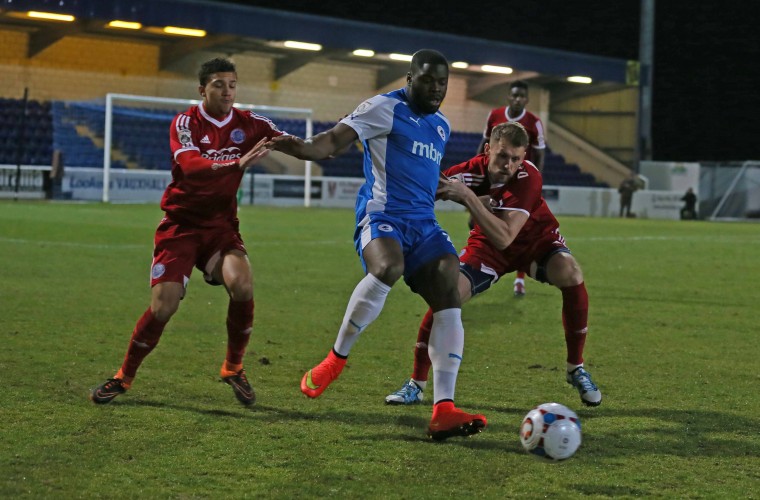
[[111, 246], [253, 243], [72, 244], [713, 239]]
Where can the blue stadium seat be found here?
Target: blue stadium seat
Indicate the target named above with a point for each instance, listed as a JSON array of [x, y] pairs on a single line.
[[141, 135]]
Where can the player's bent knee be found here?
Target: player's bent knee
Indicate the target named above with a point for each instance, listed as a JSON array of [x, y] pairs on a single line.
[[165, 299], [567, 276], [387, 272], [563, 271], [164, 310], [241, 291], [568, 280]]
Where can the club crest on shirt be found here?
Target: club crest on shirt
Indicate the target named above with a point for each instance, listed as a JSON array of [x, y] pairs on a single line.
[[362, 108], [237, 135], [184, 136], [386, 228], [441, 132], [157, 271]]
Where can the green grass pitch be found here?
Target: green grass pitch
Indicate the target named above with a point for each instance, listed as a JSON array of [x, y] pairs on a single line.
[[673, 345]]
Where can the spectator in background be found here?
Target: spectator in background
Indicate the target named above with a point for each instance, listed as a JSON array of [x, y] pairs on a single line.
[[212, 145], [515, 112], [53, 179], [404, 136], [689, 210], [629, 186]]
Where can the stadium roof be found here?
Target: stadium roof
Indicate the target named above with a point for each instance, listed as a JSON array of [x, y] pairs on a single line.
[[234, 29]]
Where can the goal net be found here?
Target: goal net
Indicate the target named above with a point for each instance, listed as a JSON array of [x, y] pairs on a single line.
[[731, 191], [133, 131]]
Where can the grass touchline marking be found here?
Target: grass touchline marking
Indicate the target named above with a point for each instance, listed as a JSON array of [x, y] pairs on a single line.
[[109, 246]]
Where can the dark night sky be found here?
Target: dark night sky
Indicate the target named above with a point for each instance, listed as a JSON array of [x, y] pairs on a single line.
[[706, 90]]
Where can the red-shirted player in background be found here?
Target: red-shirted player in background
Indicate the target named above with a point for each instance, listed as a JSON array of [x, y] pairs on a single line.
[[516, 112], [514, 230], [212, 146]]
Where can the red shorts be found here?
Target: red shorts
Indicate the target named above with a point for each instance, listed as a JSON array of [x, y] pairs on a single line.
[[526, 256], [177, 249]]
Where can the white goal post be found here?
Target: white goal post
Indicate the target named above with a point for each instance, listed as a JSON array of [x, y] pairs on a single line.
[[741, 199], [268, 111]]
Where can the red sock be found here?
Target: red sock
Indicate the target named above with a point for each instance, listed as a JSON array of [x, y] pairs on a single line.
[[575, 321], [145, 337], [239, 325], [421, 358], [519, 275]]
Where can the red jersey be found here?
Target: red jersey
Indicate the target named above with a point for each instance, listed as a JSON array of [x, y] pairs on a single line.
[[205, 169], [531, 122], [521, 192]]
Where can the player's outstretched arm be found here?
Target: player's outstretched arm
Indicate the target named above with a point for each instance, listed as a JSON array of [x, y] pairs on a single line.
[[319, 147], [256, 153], [500, 228]]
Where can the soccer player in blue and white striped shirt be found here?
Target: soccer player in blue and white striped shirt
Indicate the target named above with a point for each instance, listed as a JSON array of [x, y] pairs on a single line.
[[404, 137]]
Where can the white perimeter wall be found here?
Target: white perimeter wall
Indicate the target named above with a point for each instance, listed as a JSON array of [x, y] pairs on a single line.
[[128, 186]]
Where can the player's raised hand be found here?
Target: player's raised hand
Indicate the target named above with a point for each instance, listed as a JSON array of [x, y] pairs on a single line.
[[288, 144], [256, 153], [318, 147]]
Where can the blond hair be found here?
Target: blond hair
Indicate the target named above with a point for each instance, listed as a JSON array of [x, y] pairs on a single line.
[[514, 132]]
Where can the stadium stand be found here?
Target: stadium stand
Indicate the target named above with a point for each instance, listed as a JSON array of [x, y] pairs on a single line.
[[76, 129], [78, 150], [37, 133], [557, 172]]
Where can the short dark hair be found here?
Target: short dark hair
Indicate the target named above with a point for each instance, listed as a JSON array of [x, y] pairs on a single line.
[[427, 56], [216, 65], [514, 132], [518, 84]]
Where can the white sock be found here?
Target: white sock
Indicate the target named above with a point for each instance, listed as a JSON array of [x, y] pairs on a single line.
[[420, 383], [445, 349], [363, 308], [519, 281], [571, 367]]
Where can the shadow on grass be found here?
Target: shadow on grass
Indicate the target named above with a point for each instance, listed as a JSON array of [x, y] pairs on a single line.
[[518, 309], [482, 441], [415, 427], [624, 432], [674, 432], [613, 296], [255, 411], [187, 408], [679, 432]]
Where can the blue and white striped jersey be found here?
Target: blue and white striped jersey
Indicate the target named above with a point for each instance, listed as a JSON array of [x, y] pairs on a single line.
[[402, 156]]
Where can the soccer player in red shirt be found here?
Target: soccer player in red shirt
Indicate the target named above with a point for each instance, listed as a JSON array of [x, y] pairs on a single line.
[[212, 145], [514, 230], [516, 112]]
